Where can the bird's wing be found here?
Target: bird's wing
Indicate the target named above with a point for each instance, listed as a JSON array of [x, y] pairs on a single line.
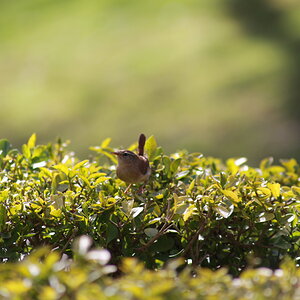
[[143, 164]]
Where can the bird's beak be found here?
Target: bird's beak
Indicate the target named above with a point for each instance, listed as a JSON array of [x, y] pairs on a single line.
[[115, 153]]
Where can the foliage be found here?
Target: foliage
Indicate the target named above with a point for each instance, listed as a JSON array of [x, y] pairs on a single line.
[[196, 208], [44, 275]]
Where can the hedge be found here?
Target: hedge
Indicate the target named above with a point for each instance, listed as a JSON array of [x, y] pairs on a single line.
[[201, 210]]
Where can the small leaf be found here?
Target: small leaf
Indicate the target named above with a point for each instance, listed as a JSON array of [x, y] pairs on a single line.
[[191, 186], [101, 179], [223, 179], [112, 232], [105, 143], [225, 210], [290, 164], [136, 211], [231, 195], [275, 189], [265, 216], [4, 147], [266, 163], [151, 232], [80, 164], [150, 147], [188, 212], [263, 193], [63, 168], [31, 141], [3, 216], [174, 165]]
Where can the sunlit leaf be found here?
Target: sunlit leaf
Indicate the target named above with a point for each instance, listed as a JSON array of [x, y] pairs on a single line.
[[189, 212], [105, 143], [80, 164], [231, 195], [275, 189], [225, 210], [31, 142], [150, 147]]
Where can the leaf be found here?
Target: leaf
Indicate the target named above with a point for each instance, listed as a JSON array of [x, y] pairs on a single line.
[[164, 243], [225, 210], [223, 179], [266, 163], [100, 180], [174, 165], [231, 195], [63, 168], [190, 188], [150, 147], [151, 232], [4, 147], [136, 211], [3, 216], [189, 212], [182, 174], [275, 189], [80, 164], [289, 164], [263, 193], [26, 151], [265, 216], [105, 143], [112, 232], [31, 141]]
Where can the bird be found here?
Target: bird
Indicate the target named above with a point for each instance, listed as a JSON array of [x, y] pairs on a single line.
[[132, 167]]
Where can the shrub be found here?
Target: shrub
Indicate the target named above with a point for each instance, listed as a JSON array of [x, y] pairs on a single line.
[[211, 214], [44, 275]]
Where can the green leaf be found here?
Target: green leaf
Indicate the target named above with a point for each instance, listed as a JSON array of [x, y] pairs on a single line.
[[112, 232], [151, 232], [233, 196], [189, 212], [26, 151], [174, 165], [31, 142], [265, 216], [150, 147], [223, 179], [136, 211], [225, 209], [105, 143], [3, 215], [4, 147], [80, 164], [266, 163], [275, 189]]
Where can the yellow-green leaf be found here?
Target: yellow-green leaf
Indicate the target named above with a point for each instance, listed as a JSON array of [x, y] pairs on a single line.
[[188, 212], [233, 196], [105, 143], [31, 141], [275, 189], [80, 164], [264, 193], [150, 147]]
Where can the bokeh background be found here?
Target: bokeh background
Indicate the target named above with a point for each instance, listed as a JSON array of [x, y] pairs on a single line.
[[221, 77]]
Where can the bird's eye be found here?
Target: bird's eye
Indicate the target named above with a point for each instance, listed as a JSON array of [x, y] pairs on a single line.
[[125, 154]]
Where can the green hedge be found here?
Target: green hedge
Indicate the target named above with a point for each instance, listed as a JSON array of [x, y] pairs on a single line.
[[44, 275], [209, 213]]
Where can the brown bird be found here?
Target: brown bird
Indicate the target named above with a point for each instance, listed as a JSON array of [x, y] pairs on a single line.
[[133, 168]]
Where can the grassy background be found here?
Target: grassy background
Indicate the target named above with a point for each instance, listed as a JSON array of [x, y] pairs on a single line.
[[218, 77]]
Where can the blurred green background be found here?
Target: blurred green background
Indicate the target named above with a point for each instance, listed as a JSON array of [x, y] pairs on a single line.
[[221, 77]]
